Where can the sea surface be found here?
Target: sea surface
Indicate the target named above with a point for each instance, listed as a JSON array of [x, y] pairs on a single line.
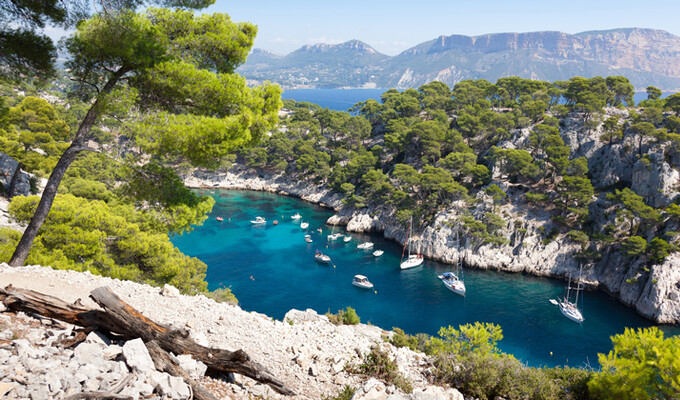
[[344, 99], [271, 269]]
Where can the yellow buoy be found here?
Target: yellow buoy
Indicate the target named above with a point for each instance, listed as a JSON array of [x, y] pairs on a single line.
[[551, 353], [375, 291]]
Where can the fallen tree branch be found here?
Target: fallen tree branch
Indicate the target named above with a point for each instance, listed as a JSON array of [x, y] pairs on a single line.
[[166, 363], [121, 318]]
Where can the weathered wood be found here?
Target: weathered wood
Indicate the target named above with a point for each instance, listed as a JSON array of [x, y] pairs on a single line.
[[179, 342], [120, 318], [166, 363], [113, 394]]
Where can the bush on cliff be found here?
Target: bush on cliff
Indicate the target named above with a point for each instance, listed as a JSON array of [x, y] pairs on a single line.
[[643, 365], [469, 360]]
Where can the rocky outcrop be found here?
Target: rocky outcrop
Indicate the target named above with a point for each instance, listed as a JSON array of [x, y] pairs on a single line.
[[305, 350], [8, 166], [241, 178], [527, 249]]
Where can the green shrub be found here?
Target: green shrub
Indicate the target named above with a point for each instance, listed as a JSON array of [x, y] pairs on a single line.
[[347, 316], [378, 364], [578, 236], [222, 295], [643, 365], [345, 394]]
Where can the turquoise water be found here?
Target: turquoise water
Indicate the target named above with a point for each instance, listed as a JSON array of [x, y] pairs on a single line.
[[343, 99], [271, 269]]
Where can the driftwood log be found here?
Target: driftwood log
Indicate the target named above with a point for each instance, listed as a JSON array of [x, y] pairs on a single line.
[[120, 318]]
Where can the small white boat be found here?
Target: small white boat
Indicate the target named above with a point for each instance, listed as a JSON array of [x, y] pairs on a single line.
[[322, 258], [258, 221], [304, 225], [334, 236], [378, 253], [347, 238], [296, 216], [362, 282], [308, 238], [451, 281], [412, 261], [568, 308], [365, 246]]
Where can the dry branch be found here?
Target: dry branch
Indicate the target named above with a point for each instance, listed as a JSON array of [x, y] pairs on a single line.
[[121, 318]]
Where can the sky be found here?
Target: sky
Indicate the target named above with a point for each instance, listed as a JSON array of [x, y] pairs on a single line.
[[393, 26]]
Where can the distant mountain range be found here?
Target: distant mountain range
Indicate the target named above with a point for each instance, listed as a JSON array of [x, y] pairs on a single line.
[[645, 56]]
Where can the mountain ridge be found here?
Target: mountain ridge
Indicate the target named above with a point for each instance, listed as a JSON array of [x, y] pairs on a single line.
[[646, 56]]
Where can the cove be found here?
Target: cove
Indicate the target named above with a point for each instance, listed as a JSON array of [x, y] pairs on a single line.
[[271, 269]]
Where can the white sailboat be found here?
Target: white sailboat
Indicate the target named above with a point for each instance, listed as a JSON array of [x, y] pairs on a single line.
[[568, 308], [413, 260], [454, 281]]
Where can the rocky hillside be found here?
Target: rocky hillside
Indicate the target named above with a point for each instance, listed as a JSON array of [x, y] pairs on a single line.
[[645, 56], [306, 351]]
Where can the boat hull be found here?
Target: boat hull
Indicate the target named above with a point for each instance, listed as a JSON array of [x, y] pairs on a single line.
[[411, 263], [571, 312], [363, 285]]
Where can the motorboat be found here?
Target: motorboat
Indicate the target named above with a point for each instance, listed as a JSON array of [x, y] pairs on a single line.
[[378, 253], [304, 225], [276, 222], [296, 216], [334, 236], [362, 282], [322, 258], [365, 246], [308, 238], [451, 281], [258, 221], [347, 238], [219, 219]]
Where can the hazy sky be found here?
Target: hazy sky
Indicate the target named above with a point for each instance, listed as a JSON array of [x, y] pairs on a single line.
[[393, 26]]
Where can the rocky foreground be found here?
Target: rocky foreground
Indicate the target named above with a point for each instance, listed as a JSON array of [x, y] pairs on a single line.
[[306, 352]]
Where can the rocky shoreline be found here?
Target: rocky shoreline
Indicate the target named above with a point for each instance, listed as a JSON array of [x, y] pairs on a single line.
[[656, 298], [307, 352]]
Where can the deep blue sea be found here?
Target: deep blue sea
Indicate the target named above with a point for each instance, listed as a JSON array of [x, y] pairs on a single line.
[[343, 99], [271, 269]]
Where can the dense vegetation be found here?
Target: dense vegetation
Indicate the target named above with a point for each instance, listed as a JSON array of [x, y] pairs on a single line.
[[642, 365], [146, 91], [97, 223], [418, 152]]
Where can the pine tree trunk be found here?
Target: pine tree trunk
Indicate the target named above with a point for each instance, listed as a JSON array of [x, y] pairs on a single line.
[[50, 192]]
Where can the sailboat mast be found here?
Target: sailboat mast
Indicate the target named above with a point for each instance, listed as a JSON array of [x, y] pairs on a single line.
[[406, 241]]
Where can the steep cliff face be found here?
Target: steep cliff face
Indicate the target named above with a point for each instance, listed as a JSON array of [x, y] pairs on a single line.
[[530, 241]]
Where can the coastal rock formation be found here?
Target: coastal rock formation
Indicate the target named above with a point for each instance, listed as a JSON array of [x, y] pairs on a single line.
[[654, 295], [305, 350]]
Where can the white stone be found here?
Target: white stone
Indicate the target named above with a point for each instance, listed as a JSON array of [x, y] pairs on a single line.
[[137, 356], [170, 291], [97, 338], [195, 369], [87, 353]]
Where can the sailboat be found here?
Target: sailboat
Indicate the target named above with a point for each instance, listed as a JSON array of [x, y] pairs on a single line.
[[454, 281], [568, 308], [413, 260]]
